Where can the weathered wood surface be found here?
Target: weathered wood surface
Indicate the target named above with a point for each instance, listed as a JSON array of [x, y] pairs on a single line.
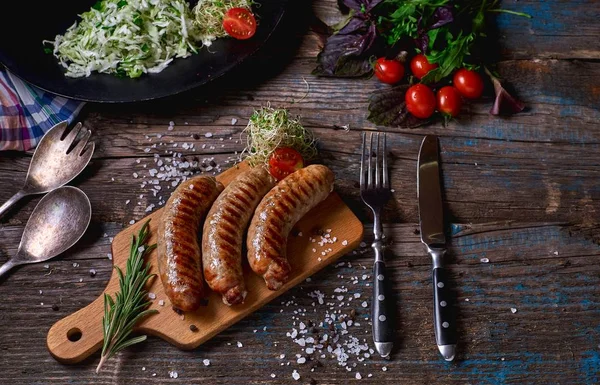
[[521, 191]]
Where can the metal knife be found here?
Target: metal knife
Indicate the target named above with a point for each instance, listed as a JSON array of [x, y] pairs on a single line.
[[431, 219]]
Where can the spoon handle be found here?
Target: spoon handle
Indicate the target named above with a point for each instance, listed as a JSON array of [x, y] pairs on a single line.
[[4, 208], [6, 267]]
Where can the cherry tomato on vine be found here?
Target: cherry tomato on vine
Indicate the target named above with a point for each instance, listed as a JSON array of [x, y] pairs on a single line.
[[239, 23], [449, 101], [420, 66], [468, 83], [389, 71], [420, 101], [284, 161]]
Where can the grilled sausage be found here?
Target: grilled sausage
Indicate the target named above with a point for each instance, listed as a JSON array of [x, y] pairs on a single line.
[[275, 216], [224, 230], [178, 250]]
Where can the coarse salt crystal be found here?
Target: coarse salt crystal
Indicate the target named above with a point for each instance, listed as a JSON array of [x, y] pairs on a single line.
[[358, 376], [151, 295], [161, 302], [109, 256], [301, 360], [513, 310], [206, 362], [131, 222], [208, 135], [484, 260], [233, 121], [384, 368], [143, 368], [344, 242], [364, 304], [173, 374], [239, 344], [295, 375], [273, 375]]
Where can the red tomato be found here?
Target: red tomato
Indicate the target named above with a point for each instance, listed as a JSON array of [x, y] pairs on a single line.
[[449, 101], [420, 66], [468, 83], [285, 161], [389, 71], [420, 101], [239, 23]]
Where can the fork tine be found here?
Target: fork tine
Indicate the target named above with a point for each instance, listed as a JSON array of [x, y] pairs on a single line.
[[362, 162], [385, 165], [72, 135], [370, 175], [78, 148], [377, 177]]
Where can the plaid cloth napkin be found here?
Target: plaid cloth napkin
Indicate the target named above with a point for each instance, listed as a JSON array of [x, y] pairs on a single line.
[[26, 113]]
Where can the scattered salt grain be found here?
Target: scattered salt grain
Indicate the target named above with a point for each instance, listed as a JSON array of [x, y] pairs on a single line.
[[46, 266], [358, 376], [513, 310], [273, 375], [109, 256], [301, 360], [131, 222], [484, 260], [384, 368], [127, 201], [151, 295], [206, 362], [344, 242], [364, 304], [173, 374], [233, 121], [239, 344], [295, 375], [208, 135], [161, 302]]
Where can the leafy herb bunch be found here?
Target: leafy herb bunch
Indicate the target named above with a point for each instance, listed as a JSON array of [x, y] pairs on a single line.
[[452, 34]]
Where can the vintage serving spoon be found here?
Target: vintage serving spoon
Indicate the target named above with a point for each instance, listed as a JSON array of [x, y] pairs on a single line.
[[57, 223], [56, 161]]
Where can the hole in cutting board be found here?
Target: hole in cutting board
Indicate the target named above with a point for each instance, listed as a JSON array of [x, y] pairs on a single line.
[[74, 335]]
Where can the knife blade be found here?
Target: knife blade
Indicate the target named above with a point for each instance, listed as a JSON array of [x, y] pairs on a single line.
[[431, 221]]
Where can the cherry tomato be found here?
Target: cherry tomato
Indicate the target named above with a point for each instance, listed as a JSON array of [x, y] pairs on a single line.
[[389, 71], [449, 101], [239, 23], [284, 161], [420, 101], [468, 83], [420, 66]]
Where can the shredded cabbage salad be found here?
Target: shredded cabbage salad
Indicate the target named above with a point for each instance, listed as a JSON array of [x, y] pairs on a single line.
[[127, 38]]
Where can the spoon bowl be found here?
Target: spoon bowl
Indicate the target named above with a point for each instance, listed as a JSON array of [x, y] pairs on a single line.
[[58, 221]]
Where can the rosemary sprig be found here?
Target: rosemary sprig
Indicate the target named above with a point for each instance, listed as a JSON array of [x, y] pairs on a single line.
[[130, 304]]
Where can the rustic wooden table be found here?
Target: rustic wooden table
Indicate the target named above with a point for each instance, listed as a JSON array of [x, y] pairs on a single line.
[[521, 192]]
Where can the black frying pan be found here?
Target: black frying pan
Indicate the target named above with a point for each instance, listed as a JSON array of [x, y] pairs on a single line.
[[24, 24]]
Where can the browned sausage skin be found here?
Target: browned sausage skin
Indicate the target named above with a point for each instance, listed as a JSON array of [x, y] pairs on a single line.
[[224, 231], [178, 249], [275, 216]]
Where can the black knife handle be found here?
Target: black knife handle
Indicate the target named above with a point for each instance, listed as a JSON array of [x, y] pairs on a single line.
[[381, 313], [444, 317]]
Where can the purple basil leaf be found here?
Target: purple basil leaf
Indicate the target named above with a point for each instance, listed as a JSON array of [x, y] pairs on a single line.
[[372, 4], [355, 4], [505, 103], [422, 42], [345, 55], [387, 107], [442, 16], [353, 25]]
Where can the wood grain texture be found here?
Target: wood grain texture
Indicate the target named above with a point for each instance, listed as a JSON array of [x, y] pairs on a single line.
[[521, 191], [305, 260]]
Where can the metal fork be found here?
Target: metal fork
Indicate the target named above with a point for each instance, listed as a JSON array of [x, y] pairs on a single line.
[[375, 192], [58, 158]]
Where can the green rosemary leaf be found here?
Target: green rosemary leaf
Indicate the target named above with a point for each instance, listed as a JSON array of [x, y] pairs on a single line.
[[130, 304]]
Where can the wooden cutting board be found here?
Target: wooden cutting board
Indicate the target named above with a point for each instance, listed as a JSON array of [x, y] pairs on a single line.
[[76, 337]]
